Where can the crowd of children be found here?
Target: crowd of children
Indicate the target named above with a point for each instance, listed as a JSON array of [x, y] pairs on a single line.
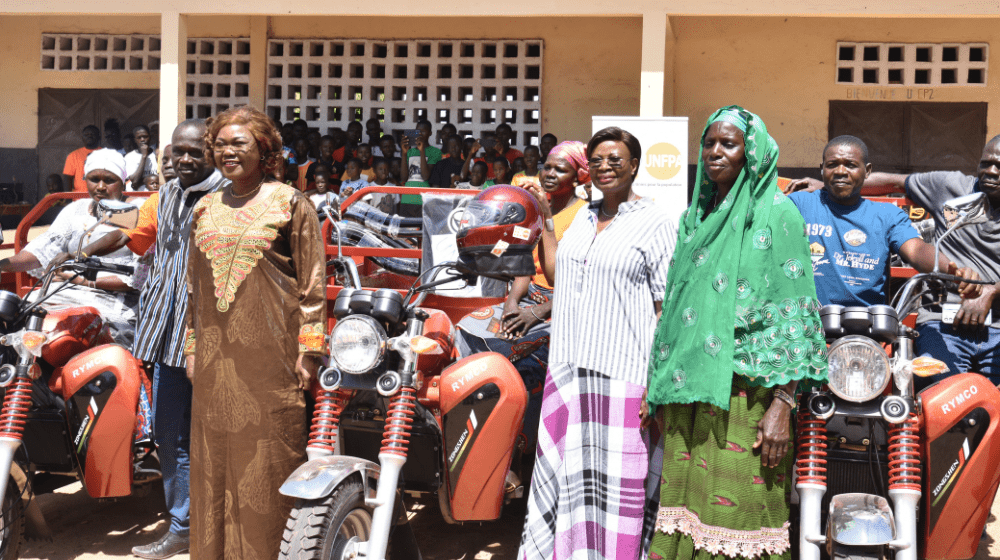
[[345, 161]]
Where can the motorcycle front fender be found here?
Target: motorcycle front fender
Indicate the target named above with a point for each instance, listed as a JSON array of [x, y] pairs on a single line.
[[317, 478], [861, 520]]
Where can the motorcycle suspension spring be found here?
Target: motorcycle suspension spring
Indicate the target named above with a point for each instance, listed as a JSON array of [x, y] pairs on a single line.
[[15, 408], [904, 455], [398, 422], [810, 457], [326, 419]]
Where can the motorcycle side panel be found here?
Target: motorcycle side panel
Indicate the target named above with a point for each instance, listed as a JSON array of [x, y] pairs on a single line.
[[482, 402], [71, 330], [101, 387], [961, 457]]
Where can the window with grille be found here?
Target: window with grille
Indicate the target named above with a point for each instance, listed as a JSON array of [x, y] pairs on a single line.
[[916, 64], [473, 84], [218, 72], [106, 53]]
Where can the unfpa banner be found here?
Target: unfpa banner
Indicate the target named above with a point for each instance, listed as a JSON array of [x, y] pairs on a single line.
[[663, 163]]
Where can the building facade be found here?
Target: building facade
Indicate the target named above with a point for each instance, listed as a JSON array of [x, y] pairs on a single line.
[[914, 79]]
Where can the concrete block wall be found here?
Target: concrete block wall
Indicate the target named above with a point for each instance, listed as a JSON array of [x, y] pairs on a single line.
[[218, 73], [95, 52], [473, 84]]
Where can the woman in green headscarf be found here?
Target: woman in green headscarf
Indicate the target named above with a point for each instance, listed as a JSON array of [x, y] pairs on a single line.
[[739, 330]]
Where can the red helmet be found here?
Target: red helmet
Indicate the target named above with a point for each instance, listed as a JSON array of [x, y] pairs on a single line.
[[498, 232]]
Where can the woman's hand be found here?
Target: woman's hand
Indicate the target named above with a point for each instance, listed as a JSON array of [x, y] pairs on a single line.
[[646, 416], [189, 367], [517, 323], [774, 433], [306, 367], [543, 200]]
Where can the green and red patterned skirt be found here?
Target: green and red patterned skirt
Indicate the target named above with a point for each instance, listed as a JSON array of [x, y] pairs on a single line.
[[716, 500]]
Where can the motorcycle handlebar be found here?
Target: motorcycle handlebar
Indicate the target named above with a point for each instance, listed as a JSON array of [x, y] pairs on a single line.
[[91, 263], [959, 279]]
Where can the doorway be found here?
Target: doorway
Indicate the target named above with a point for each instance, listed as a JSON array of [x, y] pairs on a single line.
[[913, 137], [62, 114]]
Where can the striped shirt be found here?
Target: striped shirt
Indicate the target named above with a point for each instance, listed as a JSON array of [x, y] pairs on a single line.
[[163, 303], [603, 317]]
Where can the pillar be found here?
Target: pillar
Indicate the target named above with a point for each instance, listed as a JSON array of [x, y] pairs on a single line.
[[656, 33], [173, 73], [258, 61]]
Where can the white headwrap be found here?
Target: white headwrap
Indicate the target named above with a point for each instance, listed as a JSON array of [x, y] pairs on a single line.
[[108, 160]]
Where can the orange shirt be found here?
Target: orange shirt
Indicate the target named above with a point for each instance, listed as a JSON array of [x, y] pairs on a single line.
[[562, 221], [523, 180], [302, 183], [513, 153], [74, 167], [367, 174], [142, 237]]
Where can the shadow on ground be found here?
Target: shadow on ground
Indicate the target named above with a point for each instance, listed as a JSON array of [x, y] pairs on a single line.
[[82, 526], [493, 540]]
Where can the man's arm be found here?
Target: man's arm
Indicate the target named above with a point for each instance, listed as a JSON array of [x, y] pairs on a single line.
[[920, 255], [884, 183], [110, 243], [404, 161], [876, 184], [136, 175], [425, 168]]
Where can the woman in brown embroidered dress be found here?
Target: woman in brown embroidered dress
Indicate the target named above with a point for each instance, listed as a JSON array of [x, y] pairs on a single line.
[[255, 334]]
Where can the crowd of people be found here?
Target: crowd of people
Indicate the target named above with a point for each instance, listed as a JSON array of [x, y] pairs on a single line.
[[341, 161], [667, 356]]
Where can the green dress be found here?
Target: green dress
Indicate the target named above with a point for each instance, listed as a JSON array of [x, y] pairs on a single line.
[[740, 317]]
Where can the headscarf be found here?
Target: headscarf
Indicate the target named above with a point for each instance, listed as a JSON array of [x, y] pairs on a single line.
[[575, 153], [106, 159], [740, 292]]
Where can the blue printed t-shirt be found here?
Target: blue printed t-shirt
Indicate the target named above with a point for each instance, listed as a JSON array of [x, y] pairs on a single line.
[[850, 246]]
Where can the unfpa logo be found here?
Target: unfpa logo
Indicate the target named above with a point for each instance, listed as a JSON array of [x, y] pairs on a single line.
[[663, 161]]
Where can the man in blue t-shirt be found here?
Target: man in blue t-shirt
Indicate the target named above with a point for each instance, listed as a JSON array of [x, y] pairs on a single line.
[[965, 331], [851, 238]]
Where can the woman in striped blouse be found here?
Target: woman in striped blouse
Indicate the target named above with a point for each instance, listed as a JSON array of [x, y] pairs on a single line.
[[592, 478]]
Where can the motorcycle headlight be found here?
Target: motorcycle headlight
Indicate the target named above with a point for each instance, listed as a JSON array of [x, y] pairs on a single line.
[[858, 369], [357, 344]]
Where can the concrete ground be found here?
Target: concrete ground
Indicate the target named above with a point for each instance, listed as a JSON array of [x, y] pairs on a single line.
[[88, 529]]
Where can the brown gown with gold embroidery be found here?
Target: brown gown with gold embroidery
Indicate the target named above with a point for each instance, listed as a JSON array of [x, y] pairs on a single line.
[[256, 285]]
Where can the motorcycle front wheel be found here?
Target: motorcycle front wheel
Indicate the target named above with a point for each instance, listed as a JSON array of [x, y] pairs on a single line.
[[11, 523], [321, 529]]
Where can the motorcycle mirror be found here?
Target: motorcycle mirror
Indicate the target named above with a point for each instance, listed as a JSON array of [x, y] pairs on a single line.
[[960, 212], [108, 206], [967, 210], [118, 213]]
